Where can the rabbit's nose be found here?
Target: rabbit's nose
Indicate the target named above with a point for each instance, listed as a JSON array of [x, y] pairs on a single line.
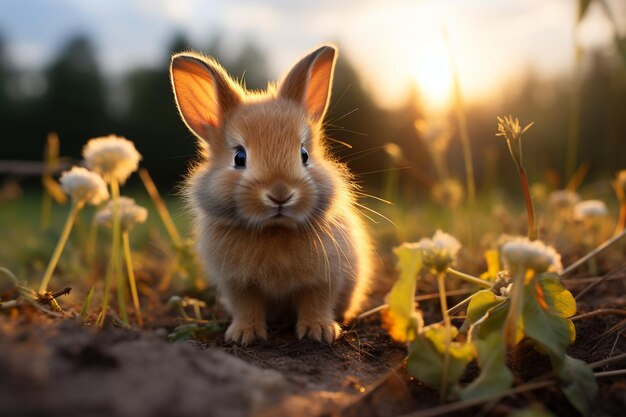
[[280, 194], [280, 202]]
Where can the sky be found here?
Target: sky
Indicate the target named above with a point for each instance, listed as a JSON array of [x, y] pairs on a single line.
[[393, 43]]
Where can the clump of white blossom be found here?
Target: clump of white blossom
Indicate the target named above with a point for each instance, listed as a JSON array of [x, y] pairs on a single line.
[[590, 209], [130, 213], [84, 186], [113, 157], [439, 252], [521, 254]]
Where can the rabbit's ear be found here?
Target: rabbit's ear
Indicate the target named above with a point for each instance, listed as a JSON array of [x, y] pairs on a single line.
[[204, 92], [309, 81]]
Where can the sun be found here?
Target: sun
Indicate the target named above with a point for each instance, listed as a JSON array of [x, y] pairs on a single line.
[[434, 78]]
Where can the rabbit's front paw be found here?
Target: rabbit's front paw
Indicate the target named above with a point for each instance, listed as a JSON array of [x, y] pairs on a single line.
[[327, 331], [245, 333]]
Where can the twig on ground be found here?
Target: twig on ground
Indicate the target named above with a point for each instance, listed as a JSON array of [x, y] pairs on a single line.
[[598, 282], [600, 312]]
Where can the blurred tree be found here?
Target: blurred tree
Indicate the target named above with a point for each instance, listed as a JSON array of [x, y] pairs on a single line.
[[5, 107], [250, 66], [152, 120], [74, 103]]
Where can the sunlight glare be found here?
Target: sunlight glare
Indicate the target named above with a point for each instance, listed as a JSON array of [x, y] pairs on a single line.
[[434, 78]]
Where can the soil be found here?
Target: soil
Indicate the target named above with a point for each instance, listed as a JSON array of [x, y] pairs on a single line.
[[62, 367]]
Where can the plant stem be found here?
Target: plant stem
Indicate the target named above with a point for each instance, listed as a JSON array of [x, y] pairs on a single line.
[[117, 261], [161, 207], [463, 132], [621, 222], [114, 267], [131, 277], [446, 320], [574, 113], [469, 278], [67, 228], [107, 292], [515, 309], [418, 298], [532, 233]]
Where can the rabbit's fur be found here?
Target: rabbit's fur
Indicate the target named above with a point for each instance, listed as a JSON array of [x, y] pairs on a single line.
[[280, 238]]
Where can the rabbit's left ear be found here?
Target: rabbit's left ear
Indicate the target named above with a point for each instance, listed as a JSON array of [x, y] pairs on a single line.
[[309, 81]]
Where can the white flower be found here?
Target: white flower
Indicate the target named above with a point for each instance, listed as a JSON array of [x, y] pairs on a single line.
[[112, 157], [562, 199], [130, 213], [521, 254], [84, 185], [439, 252], [590, 209]]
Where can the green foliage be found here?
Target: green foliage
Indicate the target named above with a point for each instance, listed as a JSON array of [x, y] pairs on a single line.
[[486, 313], [547, 306], [577, 382], [401, 319], [193, 331], [495, 378], [427, 354], [87, 303]]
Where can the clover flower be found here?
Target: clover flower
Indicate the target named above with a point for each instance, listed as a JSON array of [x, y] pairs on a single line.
[[590, 209], [113, 157], [84, 186], [521, 254], [130, 213], [439, 252]]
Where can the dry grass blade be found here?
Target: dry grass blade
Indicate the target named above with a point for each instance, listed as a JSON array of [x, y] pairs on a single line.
[[598, 282], [593, 253]]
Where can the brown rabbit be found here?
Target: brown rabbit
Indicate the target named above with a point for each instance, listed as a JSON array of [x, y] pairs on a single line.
[[274, 214]]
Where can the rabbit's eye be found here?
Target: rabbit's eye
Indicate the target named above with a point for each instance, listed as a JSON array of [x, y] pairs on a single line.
[[304, 154], [240, 157]]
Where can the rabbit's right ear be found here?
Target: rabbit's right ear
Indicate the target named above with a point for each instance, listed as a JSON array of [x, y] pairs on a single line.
[[204, 93]]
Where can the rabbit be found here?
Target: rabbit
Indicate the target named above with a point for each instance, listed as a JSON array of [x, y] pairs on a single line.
[[273, 213]]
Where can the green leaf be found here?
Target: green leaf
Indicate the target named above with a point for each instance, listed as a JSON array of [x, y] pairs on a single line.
[[556, 297], [487, 313], [583, 5], [401, 319], [578, 383], [87, 303], [495, 378], [481, 303], [546, 304], [426, 356]]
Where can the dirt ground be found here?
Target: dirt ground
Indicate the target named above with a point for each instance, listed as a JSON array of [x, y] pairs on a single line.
[[60, 367]]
